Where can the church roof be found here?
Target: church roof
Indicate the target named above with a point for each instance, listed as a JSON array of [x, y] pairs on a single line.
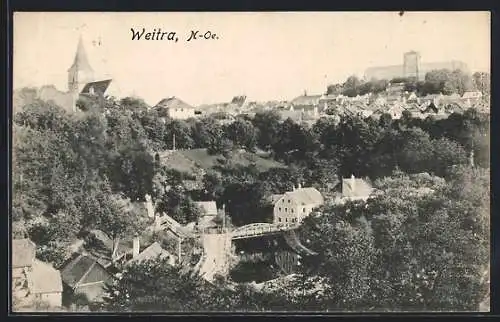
[[81, 61], [99, 87]]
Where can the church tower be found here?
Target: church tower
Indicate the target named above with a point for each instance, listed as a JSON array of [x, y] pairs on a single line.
[[80, 73]]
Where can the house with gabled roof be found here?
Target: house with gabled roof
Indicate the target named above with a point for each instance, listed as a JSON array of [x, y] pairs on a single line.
[[175, 108], [32, 279], [295, 205], [45, 283], [151, 252], [83, 274], [23, 255], [354, 189], [308, 104]]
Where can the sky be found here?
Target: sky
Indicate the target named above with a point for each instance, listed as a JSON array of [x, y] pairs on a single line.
[[265, 56]]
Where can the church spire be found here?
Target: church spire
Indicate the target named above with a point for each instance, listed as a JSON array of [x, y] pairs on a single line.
[[81, 61]]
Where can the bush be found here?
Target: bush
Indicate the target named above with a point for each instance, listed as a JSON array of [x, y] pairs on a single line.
[[54, 252]]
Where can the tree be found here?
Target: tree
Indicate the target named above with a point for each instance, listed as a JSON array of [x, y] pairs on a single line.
[[207, 132], [351, 86], [117, 219], [178, 205], [334, 89], [242, 133], [346, 255], [155, 286], [481, 82], [154, 129], [132, 171], [182, 132], [134, 104], [267, 125]]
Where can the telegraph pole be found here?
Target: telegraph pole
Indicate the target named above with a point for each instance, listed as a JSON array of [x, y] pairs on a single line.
[[223, 217], [179, 241]]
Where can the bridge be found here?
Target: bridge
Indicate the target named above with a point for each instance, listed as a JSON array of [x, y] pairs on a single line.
[[260, 229]]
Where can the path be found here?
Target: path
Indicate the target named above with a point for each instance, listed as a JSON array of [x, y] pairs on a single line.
[[217, 250]]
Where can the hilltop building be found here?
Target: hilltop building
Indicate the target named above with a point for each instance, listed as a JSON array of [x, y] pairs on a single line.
[[175, 108], [81, 82], [81, 79], [412, 67]]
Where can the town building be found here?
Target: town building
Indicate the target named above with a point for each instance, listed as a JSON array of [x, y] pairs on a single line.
[[84, 275], [46, 284], [33, 281], [175, 108], [293, 206], [308, 104], [355, 189], [153, 251]]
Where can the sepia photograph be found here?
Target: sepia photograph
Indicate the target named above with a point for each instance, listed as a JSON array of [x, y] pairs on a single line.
[[330, 162]]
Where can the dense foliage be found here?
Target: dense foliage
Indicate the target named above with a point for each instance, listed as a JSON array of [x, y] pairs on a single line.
[[403, 249]]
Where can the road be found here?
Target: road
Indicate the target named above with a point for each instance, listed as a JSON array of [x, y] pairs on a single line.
[[217, 250]]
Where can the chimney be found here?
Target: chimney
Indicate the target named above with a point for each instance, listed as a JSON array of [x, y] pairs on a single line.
[[353, 182], [149, 206], [136, 245]]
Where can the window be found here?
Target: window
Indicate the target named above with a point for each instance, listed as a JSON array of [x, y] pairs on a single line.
[[286, 209], [286, 219], [279, 219], [291, 210], [303, 209], [279, 209], [288, 200], [294, 220]]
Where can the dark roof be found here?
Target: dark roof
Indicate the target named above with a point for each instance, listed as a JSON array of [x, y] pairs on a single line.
[[23, 252], [153, 251], [99, 87], [173, 102], [83, 269], [239, 100]]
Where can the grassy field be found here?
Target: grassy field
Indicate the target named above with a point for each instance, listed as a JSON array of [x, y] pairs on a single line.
[[188, 161]]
